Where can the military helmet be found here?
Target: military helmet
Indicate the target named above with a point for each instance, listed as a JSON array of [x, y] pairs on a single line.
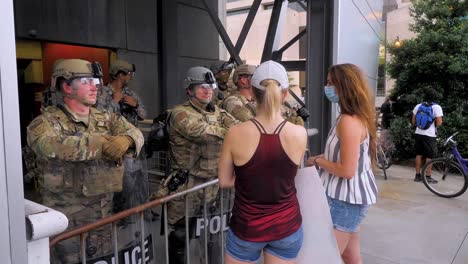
[[121, 65], [199, 75], [244, 69], [75, 68], [221, 65]]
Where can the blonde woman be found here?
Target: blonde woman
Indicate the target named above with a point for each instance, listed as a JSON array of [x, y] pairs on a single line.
[[346, 164], [260, 157]]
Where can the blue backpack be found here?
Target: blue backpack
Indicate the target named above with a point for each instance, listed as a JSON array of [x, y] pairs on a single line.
[[425, 116]]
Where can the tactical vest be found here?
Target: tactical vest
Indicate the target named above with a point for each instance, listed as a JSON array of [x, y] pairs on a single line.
[[188, 152]]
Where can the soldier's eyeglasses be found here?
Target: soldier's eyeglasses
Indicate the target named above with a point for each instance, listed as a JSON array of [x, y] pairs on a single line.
[[207, 86], [248, 76], [91, 81]]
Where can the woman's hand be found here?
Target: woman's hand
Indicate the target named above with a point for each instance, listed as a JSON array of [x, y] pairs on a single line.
[[311, 161]]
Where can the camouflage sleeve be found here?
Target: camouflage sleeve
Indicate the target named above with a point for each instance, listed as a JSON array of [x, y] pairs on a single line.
[[297, 120], [120, 126], [105, 102], [236, 108], [195, 128], [48, 141], [141, 112], [228, 120]]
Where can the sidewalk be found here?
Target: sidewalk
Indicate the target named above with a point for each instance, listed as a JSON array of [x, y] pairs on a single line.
[[410, 225]]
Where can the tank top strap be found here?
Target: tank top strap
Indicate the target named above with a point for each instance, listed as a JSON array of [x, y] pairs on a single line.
[[280, 127], [259, 126]]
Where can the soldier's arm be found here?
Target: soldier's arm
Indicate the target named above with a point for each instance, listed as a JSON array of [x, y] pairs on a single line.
[[47, 141], [194, 128], [140, 110], [297, 120], [105, 102], [121, 127], [237, 109], [228, 119]]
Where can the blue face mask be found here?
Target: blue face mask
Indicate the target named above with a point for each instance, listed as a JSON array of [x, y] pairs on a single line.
[[331, 94]]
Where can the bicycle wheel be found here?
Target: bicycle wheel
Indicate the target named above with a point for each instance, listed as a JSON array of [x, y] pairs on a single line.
[[383, 158], [451, 181]]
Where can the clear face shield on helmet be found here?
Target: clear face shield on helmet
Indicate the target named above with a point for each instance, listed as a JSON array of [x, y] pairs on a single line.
[[92, 78]]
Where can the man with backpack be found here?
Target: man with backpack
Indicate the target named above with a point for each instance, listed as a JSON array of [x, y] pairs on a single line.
[[427, 116]]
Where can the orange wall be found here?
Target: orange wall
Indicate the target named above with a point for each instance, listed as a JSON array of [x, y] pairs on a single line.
[[54, 51]]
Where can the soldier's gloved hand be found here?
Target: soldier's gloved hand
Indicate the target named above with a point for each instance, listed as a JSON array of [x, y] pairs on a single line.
[[210, 107], [102, 139], [303, 113], [117, 146]]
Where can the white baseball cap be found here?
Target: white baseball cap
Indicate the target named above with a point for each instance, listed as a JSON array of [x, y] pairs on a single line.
[[270, 70]]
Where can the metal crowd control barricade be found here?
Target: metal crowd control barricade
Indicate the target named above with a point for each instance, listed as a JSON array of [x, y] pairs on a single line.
[[140, 210]]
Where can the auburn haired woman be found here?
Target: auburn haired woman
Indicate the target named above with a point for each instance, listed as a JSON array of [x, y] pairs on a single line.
[[346, 164]]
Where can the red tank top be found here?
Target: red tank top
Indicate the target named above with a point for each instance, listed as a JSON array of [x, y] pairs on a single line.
[[265, 203]]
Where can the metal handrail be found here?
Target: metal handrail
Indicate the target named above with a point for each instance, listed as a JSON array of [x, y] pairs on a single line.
[[135, 210]]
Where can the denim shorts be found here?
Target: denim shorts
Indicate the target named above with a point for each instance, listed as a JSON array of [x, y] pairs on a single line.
[[346, 217], [286, 248]]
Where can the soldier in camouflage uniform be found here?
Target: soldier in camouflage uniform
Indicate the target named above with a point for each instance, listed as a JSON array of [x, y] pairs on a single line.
[[291, 115], [196, 133], [241, 104], [82, 149], [117, 97], [222, 71]]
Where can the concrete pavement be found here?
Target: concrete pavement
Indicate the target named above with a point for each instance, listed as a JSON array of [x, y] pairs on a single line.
[[410, 225]]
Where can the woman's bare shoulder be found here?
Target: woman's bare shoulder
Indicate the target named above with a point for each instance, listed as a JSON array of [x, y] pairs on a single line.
[[349, 120], [241, 129], [296, 131], [350, 125]]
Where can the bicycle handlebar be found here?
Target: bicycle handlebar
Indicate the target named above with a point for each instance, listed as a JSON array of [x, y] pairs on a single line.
[[450, 139]]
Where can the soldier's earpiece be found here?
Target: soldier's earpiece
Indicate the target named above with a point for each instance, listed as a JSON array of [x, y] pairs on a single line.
[[220, 96]]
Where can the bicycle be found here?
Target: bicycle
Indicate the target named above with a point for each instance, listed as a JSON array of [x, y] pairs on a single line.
[[383, 159], [383, 153], [452, 175]]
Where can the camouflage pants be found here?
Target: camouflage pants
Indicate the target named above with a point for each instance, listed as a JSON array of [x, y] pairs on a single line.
[[176, 207], [81, 210]]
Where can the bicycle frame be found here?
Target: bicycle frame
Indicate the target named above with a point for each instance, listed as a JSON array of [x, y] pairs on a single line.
[[461, 161]]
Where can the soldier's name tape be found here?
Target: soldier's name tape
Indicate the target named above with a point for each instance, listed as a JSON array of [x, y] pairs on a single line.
[[129, 255]]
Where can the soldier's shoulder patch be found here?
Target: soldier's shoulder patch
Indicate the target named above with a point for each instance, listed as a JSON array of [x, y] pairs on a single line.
[[37, 126], [180, 115]]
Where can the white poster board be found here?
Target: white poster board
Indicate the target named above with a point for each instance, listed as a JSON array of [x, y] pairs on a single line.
[[319, 244]]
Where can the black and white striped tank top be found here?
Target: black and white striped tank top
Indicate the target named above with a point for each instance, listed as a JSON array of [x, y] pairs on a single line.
[[360, 189]]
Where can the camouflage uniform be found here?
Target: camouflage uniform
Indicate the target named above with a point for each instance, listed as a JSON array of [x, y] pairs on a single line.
[[53, 97], [291, 115], [222, 93], [135, 183], [225, 88], [106, 102], [239, 107], [195, 138], [76, 179]]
